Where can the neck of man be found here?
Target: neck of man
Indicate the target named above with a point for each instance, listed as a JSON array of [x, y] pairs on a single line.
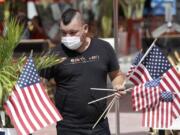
[[85, 45]]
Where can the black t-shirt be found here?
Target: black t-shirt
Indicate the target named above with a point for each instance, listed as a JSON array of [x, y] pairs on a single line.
[[75, 76]]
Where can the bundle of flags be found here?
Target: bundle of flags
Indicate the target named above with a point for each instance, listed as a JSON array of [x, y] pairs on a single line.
[[157, 89], [28, 106]]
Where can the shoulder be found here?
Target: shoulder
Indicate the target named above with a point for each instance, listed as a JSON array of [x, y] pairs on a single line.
[[103, 47], [101, 43], [58, 50]]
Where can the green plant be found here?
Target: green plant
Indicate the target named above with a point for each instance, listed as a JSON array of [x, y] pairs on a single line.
[[10, 67]]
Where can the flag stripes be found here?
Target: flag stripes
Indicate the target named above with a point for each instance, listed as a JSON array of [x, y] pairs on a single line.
[[159, 116], [171, 81], [140, 75], [143, 97], [31, 110]]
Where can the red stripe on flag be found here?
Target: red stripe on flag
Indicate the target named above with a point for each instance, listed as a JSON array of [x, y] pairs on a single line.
[[24, 110], [38, 107], [153, 115], [171, 77], [19, 116], [135, 82], [9, 112], [157, 116], [34, 115], [52, 105], [167, 118], [45, 105], [144, 73], [140, 75], [162, 113]]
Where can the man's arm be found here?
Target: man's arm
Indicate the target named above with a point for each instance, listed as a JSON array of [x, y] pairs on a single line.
[[118, 78]]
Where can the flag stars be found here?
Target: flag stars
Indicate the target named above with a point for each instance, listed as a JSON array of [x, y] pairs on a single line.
[[156, 63], [29, 75]]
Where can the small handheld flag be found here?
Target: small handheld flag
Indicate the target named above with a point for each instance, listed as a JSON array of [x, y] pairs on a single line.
[[29, 107]]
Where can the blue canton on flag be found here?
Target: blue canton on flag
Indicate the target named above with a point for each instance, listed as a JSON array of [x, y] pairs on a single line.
[[152, 67], [156, 63], [29, 75], [166, 96], [153, 83]]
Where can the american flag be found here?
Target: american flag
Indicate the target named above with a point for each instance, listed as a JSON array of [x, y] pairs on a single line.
[[28, 106], [146, 95], [154, 66], [162, 116]]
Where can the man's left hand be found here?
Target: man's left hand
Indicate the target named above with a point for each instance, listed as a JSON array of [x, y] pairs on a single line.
[[120, 90]]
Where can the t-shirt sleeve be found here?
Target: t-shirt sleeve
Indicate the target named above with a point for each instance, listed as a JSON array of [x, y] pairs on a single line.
[[47, 73], [113, 63]]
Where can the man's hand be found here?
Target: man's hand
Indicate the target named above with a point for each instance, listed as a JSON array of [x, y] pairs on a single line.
[[120, 90], [118, 78]]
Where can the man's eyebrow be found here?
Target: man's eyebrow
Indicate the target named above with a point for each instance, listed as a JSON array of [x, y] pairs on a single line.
[[68, 30]]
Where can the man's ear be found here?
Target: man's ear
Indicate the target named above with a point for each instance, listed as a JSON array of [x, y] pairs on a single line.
[[86, 28]]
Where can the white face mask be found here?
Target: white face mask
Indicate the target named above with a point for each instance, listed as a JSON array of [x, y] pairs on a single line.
[[71, 43]]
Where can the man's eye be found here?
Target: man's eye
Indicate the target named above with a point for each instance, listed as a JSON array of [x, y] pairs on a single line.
[[72, 32]]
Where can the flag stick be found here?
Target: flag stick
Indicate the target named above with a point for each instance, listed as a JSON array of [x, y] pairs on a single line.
[[31, 53], [103, 113], [103, 89], [171, 132], [129, 90], [99, 99], [113, 90], [102, 98], [112, 103]]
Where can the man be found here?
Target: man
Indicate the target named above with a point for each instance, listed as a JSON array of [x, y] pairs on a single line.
[[88, 62]]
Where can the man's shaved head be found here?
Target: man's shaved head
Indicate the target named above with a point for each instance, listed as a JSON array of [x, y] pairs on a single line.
[[73, 25], [71, 14]]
